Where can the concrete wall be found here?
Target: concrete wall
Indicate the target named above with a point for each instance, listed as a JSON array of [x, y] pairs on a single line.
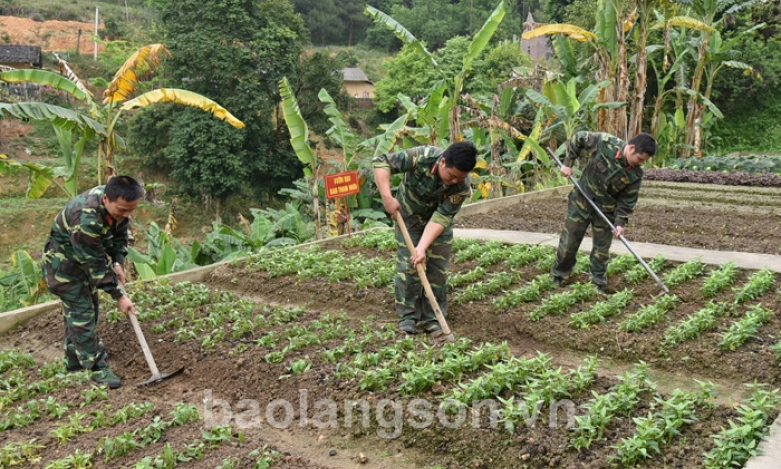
[[485, 206], [356, 89]]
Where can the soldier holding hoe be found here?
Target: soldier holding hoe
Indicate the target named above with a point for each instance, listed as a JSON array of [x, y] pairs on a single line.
[[85, 253], [612, 180], [434, 187]]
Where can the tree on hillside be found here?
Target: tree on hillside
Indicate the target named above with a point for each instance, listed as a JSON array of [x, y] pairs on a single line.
[[436, 21], [411, 74], [334, 22], [235, 51]]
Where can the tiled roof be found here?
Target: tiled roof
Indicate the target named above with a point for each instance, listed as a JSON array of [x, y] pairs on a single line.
[[20, 54], [355, 74]]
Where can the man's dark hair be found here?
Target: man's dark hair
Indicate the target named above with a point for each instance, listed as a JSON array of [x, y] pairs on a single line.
[[462, 155], [125, 187], [644, 143]]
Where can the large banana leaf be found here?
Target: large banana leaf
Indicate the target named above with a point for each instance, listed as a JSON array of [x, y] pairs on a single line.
[[531, 141], [684, 22], [299, 132], [399, 31], [484, 35], [569, 30], [165, 265], [589, 95], [188, 98], [143, 62], [607, 18], [340, 132], [39, 180], [58, 116], [566, 55], [385, 141], [711, 106], [43, 77], [29, 284], [506, 99]]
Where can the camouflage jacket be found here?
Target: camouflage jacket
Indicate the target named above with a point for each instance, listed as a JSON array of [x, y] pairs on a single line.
[[422, 195], [607, 178], [84, 233]]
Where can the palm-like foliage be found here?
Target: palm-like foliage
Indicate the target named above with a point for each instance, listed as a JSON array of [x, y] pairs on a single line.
[[99, 122], [135, 69], [454, 85]]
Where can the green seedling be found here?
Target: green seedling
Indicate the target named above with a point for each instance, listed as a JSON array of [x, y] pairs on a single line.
[[720, 279], [93, 394], [559, 303], [746, 328], [620, 264], [77, 460], [757, 285], [531, 292], [736, 444], [637, 274], [694, 325], [602, 310], [523, 254], [684, 273], [650, 314]]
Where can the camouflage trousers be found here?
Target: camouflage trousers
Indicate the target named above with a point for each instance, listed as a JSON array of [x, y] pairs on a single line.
[[411, 301], [580, 215], [68, 281]]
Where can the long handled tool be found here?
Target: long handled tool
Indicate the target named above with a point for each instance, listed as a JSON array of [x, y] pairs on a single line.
[[445, 333], [156, 375], [613, 228]]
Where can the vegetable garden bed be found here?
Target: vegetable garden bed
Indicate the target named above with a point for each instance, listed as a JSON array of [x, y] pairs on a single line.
[[722, 218], [317, 325]]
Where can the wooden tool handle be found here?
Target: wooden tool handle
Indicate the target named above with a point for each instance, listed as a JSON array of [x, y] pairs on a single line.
[[147, 353], [422, 274]]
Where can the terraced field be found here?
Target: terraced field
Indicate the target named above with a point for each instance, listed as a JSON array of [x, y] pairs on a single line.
[[292, 360]]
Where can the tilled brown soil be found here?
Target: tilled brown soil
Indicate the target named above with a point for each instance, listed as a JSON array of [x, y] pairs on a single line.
[[722, 222], [237, 369]]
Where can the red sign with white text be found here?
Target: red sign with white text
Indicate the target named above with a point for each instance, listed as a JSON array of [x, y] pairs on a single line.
[[341, 184]]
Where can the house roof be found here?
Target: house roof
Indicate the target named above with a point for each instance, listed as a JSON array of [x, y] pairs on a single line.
[[21, 54], [354, 74]]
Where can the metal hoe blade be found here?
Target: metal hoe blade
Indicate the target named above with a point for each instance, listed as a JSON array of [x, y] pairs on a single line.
[[156, 375], [159, 377]]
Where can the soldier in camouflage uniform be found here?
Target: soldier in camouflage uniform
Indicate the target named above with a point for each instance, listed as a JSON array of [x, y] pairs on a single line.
[[87, 236], [435, 185], [612, 180]]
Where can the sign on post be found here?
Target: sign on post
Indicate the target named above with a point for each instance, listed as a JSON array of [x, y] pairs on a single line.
[[341, 185]]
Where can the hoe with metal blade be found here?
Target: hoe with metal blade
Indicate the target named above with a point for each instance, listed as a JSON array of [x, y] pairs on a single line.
[[612, 228], [156, 375]]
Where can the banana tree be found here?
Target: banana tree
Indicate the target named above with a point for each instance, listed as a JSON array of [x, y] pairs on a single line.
[[453, 85], [66, 124], [299, 139], [706, 12], [24, 282], [124, 85], [101, 122], [340, 133], [572, 110]]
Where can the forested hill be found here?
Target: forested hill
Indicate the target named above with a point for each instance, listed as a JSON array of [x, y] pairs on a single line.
[[342, 22]]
